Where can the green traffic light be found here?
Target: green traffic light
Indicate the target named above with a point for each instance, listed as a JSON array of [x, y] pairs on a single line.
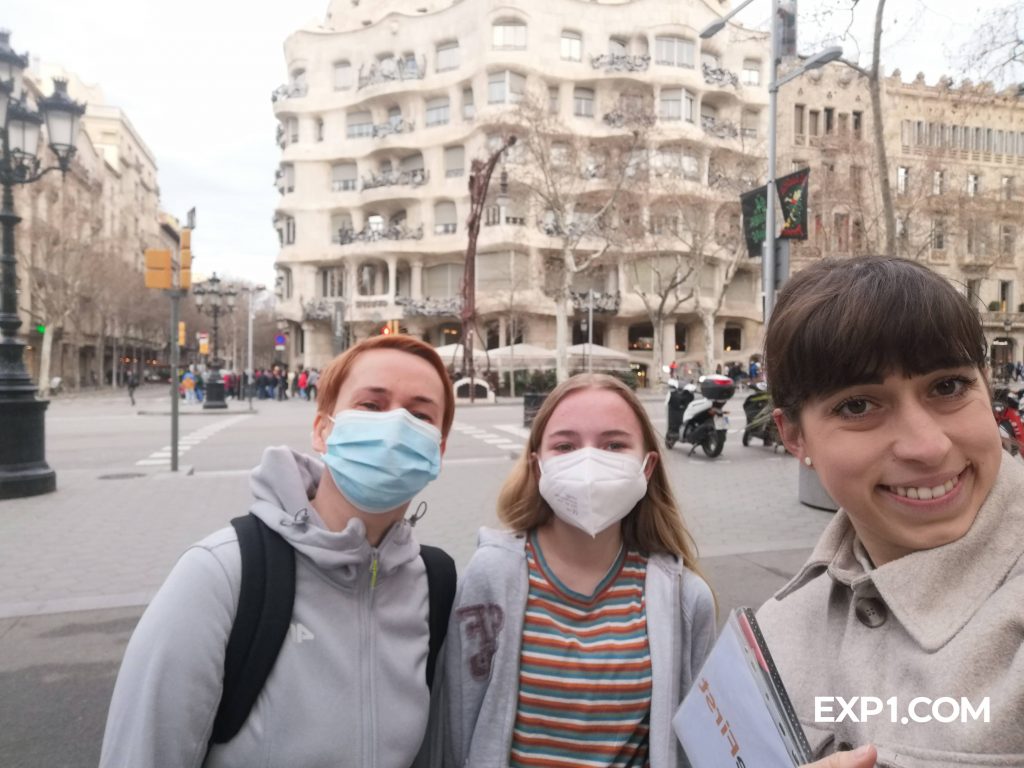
[[41, 329]]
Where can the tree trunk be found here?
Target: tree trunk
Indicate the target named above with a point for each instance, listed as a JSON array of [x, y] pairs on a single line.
[[658, 356], [881, 158], [708, 319], [44, 362], [114, 360], [101, 354], [562, 332]]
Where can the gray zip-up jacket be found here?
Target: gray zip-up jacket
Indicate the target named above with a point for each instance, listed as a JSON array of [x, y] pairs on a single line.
[[349, 685], [484, 640]]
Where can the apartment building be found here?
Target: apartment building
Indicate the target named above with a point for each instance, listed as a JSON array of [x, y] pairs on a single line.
[[388, 103], [956, 168]]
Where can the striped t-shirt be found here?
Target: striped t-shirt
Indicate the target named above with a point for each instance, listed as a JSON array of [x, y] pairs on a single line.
[[585, 670]]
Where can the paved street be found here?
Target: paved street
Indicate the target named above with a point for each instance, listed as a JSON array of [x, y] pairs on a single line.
[[77, 566]]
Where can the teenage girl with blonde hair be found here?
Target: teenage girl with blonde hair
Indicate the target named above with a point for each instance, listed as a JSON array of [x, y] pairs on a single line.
[[577, 631]]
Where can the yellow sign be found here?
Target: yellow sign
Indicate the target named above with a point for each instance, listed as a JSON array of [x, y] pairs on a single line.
[[158, 268], [204, 343], [181, 333]]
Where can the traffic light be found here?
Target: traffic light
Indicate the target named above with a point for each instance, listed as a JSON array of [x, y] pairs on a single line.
[[158, 268], [385, 330], [185, 265], [181, 333], [41, 329]]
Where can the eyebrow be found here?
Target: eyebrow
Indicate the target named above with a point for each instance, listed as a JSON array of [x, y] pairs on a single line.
[[606, 433], [387, 392]]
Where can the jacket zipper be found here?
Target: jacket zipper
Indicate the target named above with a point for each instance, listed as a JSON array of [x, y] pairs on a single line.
[[370, 731]]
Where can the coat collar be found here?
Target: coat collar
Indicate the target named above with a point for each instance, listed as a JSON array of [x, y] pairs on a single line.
[[933, 593]]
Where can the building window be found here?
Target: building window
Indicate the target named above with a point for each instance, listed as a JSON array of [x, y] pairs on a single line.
[[749, 123], [359, 124], [902, 179], [554, 100], [344, 177], [938, 234], [1008, 240], [938, 182], [732, 338], [286, 231], [509, 34], [583, 102], [572, 46], [454, 161], [505, 87], [331, 282], [445, 220], [1005, 295], [751, 72], [830, 120], [617, 46], [856, 179], [675, 51], [342, 75], [974, 292], [1006, 187], [858, 125], [813, 118], [841, 232], [468, 108], [283, 283], [447, 56], [973, 184], [437, 111], [319, 129], [341, 228], [671, 107], [292, 128], [287, 180]]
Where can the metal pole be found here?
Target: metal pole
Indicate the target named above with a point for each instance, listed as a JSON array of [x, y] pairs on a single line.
[[590, 331], [249, 367], [175, 294], [768, 258]]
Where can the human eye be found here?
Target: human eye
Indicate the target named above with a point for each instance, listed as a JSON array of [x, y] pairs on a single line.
[[423, 416], [368, 405], [953, 386], [853, 408], [616, 445], [563, 447]]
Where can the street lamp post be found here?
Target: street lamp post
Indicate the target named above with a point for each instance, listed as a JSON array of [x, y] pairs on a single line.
[[249, 369], [23, 467], [213, 299], [479, 181], [768, 276]]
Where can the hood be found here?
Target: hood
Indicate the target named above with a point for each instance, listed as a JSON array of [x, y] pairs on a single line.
[[283, 484]]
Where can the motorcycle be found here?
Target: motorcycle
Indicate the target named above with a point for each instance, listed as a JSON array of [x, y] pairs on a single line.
[[760, 424], [1006, 409], [697, 416]]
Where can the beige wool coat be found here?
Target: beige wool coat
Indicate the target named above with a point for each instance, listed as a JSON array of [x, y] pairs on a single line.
[[944, 622]]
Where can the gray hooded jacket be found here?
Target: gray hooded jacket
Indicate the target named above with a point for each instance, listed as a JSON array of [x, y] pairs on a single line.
[[349, 685], [485, 637]]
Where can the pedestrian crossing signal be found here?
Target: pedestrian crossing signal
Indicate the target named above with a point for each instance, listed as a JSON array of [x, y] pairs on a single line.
[[385, 330], [158, 268]]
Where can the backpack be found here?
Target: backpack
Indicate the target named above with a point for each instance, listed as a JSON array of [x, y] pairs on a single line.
[[265, 612]]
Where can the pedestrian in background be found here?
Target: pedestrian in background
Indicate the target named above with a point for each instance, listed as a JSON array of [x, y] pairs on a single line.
[[915, 590], [590, 602], [314, 378], [303, 382], [349, 684], [132, 382]]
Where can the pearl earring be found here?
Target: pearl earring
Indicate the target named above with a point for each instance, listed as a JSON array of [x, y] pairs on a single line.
[[807, 461]]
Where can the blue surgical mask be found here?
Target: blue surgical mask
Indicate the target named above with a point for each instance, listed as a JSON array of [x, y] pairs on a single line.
[[380, 460]]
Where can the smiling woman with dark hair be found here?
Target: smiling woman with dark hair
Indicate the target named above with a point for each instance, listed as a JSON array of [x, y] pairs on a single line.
[[905, 627]]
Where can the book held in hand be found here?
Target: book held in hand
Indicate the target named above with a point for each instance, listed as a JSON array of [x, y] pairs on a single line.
[[738, 713]]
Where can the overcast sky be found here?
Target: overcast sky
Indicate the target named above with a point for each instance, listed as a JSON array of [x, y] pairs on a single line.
[[195, 80]]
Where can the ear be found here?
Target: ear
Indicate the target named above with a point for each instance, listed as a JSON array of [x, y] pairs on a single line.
[[652, 461], [322, 427], [790, 433]]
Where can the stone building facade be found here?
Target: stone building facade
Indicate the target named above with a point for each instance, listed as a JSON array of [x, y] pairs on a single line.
[[388, 103], [956, 166]]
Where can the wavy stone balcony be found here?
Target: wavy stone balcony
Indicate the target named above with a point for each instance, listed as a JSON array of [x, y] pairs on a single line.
[[372, 235], [447, 306], [603, 302], [620, 62], [720, 76], [283, 92], [413, 178], [392, 70], [380, 130], [722, 129]]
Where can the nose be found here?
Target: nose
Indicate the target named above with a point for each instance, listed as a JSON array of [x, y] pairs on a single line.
[[920, 435]]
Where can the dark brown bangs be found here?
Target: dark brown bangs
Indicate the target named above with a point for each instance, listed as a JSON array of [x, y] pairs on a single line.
[[845, 322]]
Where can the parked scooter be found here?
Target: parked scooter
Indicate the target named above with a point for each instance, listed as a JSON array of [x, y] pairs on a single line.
[[760, 424], [1006, 409], [696, 413]]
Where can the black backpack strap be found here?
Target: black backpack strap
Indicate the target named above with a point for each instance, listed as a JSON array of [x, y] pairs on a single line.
[[264, 613], [441, 580]]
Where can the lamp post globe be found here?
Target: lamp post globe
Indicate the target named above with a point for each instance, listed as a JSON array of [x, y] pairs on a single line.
[[23, 467], [214, 300]]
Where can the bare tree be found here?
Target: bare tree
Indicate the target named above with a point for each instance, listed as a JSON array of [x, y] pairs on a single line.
[[573, 183], [996, 50]]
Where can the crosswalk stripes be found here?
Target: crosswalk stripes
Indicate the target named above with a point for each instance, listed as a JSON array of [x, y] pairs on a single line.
[[162, 457]]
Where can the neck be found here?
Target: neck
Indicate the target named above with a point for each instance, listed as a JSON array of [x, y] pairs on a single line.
[[577, 559], [336, 511]]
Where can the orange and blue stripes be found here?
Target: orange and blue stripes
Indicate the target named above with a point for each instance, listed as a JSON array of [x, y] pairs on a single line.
[[585, 670]]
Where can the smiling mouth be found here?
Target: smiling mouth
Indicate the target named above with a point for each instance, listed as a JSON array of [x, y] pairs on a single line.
[[926, 493]]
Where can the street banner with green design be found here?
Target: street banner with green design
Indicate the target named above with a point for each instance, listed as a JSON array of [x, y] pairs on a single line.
[[754, 207], [793, 191]]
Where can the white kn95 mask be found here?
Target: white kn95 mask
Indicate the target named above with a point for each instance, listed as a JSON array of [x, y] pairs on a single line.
[[592, 489]]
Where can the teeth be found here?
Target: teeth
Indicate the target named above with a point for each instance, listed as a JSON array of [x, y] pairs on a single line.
[[925, 493]]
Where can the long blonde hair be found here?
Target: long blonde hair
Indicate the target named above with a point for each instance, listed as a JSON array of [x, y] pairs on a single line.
[[655, 524]]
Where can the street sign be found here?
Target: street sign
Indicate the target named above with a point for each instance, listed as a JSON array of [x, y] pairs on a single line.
[[279, 342], [204, 343]]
